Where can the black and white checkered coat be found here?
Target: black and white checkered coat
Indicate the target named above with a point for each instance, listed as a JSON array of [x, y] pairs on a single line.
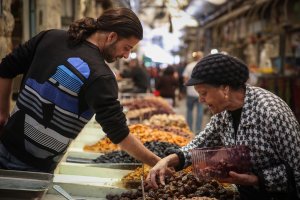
[[268, 127]]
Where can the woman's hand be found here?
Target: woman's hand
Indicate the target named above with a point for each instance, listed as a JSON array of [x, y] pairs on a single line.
[[160, 170], [241, 179]]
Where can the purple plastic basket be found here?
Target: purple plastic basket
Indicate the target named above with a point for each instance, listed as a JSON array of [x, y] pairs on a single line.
[[217, 162]]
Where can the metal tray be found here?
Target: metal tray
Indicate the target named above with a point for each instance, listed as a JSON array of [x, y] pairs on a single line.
[[90, 162], [15, 185]]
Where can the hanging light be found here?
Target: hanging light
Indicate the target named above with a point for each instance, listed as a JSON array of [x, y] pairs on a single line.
[[216, 2], [133, 55], [213, 51]]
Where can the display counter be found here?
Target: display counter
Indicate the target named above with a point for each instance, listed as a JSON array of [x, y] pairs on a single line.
[[95, 180], [60, 197], [88, 181]]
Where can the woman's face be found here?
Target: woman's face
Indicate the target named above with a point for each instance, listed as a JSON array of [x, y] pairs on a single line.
[[215, 97]]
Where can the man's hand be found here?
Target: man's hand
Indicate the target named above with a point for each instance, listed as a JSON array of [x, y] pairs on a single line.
[[5, 91], [136, 149], [3, 119]]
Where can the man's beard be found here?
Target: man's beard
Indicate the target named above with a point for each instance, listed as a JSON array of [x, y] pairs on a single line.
[[108, 53]]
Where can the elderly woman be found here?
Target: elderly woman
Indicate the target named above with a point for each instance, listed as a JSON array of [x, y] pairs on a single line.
[[243, 115]]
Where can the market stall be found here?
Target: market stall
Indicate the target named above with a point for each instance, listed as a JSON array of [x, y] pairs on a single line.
[[95, 168]]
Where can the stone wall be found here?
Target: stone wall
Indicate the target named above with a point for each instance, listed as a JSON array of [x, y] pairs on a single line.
[[48, 12], [6, 28], [48, 15], [85, 8]]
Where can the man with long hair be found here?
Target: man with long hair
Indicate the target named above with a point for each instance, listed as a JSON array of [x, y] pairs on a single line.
[[66, 81]]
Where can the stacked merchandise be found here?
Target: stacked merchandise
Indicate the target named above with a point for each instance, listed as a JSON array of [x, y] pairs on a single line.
[[146, 134], [182, 185], [143, 108], [160, 133], [167, 120], [158, 148]]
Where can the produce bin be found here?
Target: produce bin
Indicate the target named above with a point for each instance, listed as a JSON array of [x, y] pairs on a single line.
[[16, 185]]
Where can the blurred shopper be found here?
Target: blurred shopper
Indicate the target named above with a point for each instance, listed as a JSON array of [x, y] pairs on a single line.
[[66, 81], [139, 75], [192, 97], [243, 115], [182, 89], [167, 84]]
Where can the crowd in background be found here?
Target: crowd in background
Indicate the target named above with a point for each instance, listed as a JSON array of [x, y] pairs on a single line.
[[167, 82]]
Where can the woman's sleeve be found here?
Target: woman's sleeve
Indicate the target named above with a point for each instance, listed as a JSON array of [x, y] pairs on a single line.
[[209, 137], [19, 60], [285, 133]]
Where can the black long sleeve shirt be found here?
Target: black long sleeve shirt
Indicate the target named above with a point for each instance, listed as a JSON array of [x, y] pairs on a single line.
[[63, 87]]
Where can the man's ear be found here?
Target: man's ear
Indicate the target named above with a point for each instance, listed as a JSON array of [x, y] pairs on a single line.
[[112, 37]]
